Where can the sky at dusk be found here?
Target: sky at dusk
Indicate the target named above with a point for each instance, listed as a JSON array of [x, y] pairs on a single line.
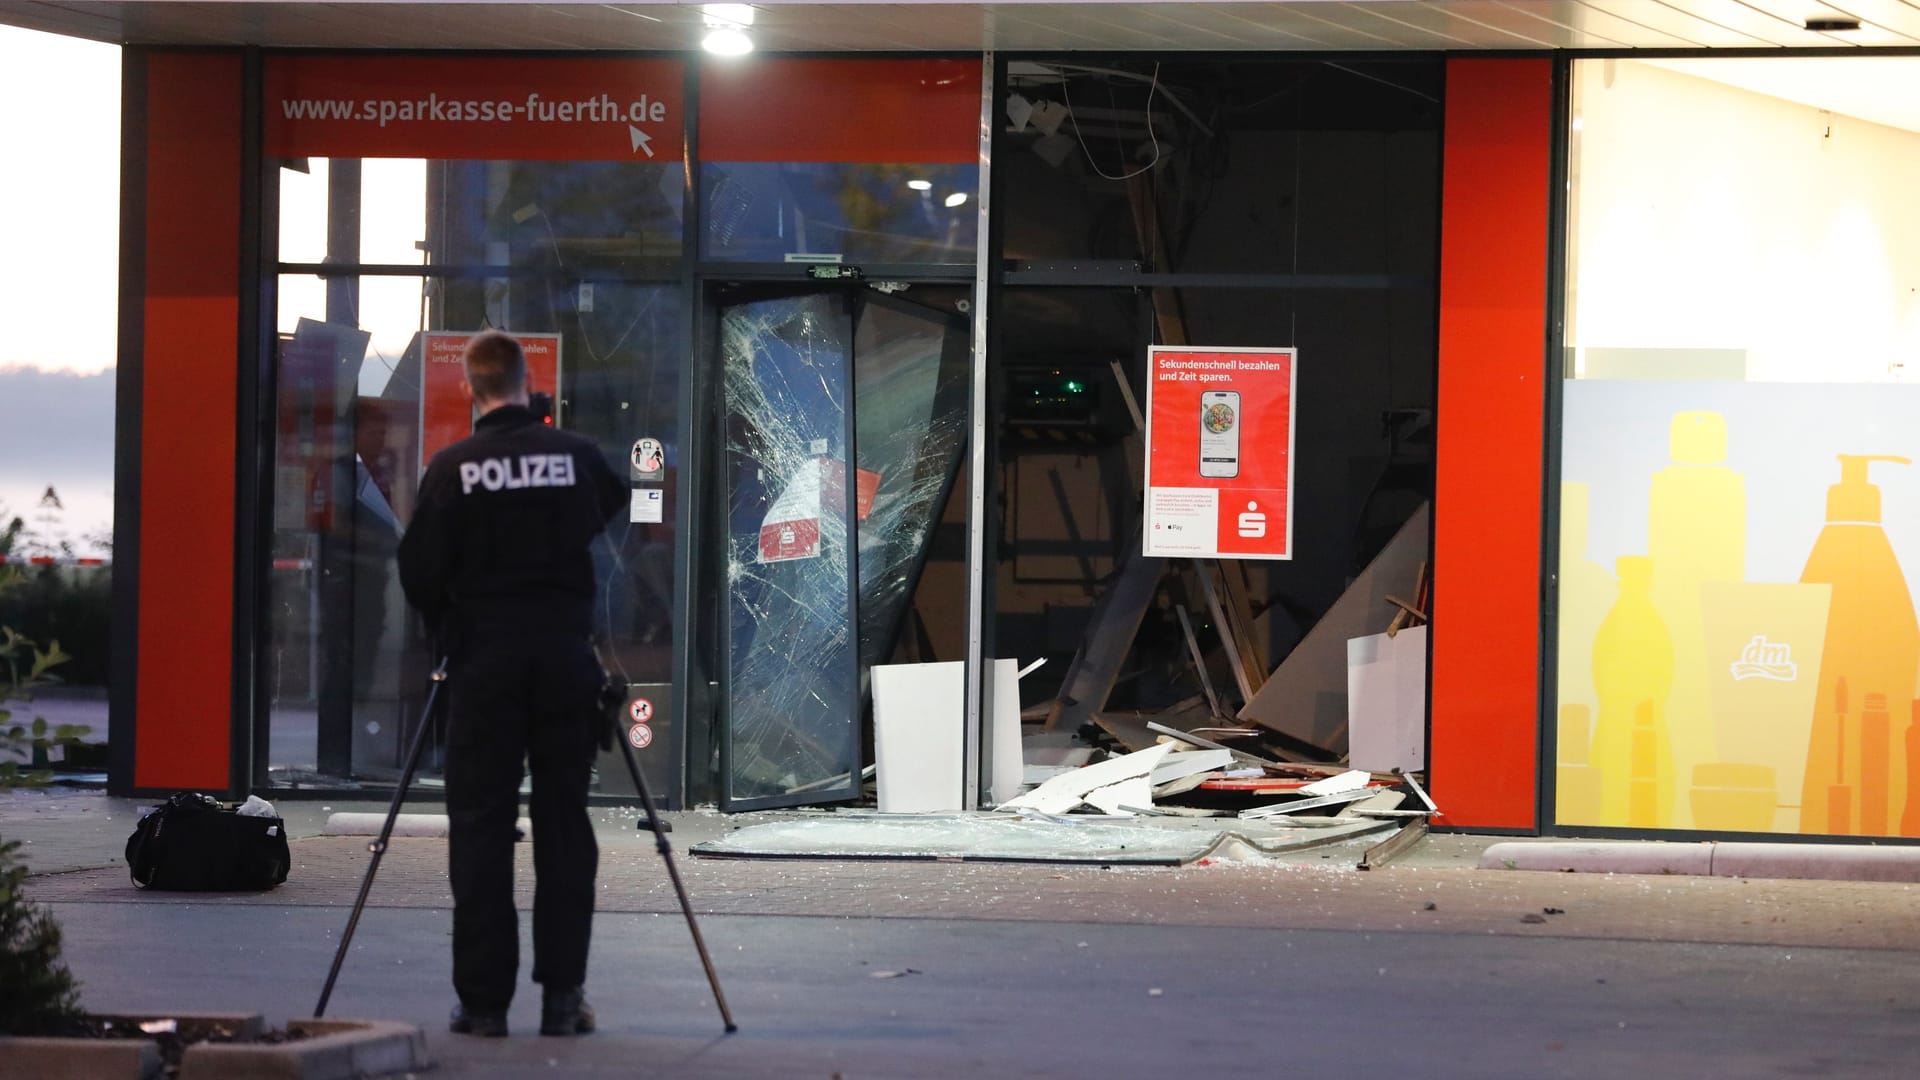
[[59, 280]]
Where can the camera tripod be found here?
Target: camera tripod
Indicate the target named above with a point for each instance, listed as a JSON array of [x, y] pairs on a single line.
[[378, 848]]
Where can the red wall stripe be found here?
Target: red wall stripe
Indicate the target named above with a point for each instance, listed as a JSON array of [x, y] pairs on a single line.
[[921, 111], [190, 364], [1485, 753]]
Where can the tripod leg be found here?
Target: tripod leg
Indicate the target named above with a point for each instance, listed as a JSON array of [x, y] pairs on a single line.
[[379, 846], [673, 872]]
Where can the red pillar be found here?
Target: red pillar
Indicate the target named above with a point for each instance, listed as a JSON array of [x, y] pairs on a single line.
[[1484, 755]]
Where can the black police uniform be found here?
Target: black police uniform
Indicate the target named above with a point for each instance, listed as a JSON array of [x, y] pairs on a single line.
[[496, 558]]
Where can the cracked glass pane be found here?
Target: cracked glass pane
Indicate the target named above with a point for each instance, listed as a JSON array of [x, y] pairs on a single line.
[[910, 368], [795, 671], [792, 680]]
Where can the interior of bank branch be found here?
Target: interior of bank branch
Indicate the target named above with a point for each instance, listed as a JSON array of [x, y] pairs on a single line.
[[772, 331]]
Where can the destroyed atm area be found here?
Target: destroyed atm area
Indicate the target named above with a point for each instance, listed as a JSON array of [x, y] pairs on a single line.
[[1228, 774], [1326, 748], [1171, 350], [1323, 753]]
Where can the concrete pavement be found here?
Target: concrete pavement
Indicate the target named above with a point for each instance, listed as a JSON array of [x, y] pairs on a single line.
[[1056, 999], [1429, 967]]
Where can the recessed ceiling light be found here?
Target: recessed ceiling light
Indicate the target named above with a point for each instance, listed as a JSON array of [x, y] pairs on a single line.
[[1830, 25], [727, 41], [958, 198], [727, 29], [920, 185]]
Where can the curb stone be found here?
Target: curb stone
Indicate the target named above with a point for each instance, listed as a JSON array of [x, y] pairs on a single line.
[[78, 1059], [328, 1050], [1826, 862], [331, 1050], [58, 1058]]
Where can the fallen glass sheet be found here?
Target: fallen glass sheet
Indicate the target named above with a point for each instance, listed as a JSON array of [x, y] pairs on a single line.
[[1008, 838]]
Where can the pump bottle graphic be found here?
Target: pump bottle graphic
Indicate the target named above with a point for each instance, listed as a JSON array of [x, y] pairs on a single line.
[[1632, 676], [1873, 643]]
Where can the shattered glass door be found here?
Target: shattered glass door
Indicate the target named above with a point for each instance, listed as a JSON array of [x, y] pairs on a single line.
[[910, 383], [807, 613]]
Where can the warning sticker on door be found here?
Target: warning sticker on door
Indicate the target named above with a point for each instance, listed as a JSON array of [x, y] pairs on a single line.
[[641, 710], [640, 736], [647, 464]]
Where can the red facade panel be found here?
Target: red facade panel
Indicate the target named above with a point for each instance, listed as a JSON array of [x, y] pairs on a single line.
[[1484, 755], [475, 108], [869, 111], [187, 452]]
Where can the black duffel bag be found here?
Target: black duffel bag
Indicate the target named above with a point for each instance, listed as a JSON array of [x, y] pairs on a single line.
[[196, 843]]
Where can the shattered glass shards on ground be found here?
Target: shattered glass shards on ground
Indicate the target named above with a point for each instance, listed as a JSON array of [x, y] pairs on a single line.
[[1006, 838]]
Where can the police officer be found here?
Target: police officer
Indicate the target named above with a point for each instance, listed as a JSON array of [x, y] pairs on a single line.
[[496, 559]]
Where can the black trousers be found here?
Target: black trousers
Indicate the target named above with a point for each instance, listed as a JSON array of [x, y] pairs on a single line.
[[520, 694]]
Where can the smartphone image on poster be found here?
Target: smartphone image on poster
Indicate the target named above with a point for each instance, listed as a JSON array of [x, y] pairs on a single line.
[[1220, 433]]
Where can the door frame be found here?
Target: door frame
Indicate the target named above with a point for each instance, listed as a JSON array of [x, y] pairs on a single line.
[[709, 628]]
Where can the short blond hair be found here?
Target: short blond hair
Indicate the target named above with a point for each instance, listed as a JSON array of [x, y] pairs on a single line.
[[496, 366]]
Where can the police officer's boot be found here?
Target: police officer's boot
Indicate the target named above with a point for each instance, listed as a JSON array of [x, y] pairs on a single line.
[[565, 1012], [488, 1023]]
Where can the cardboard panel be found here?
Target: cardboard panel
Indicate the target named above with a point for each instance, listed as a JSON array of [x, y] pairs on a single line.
[[918, 729]]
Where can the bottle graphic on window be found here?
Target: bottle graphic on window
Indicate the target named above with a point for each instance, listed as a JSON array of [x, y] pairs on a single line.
[[1696, 533], [1632, 675], [1873, 642], [1220, 433]]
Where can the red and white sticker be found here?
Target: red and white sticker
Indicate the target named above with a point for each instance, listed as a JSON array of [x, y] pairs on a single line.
[[641, 710], [640, 735]]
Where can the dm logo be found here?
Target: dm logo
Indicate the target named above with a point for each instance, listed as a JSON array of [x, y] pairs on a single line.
[[1763, 659]]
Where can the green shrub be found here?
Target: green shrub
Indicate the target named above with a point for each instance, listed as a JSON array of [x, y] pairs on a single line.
[[23, 747], [69, 604], [38, 995]]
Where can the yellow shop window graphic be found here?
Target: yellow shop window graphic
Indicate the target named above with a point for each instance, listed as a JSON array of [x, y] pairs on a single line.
[[1750, 664]]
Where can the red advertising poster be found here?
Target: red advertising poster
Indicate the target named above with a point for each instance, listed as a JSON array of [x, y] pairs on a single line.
[[1220, 453], [446, 416], [790, 529], [528, 108]]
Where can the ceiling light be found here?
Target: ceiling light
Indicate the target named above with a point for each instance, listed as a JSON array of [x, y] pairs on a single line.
[[958, 198], [727, 41], [727, 29], [920, 185]]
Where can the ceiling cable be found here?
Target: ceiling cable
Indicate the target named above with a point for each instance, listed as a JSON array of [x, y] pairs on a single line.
[[1149, 166]]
